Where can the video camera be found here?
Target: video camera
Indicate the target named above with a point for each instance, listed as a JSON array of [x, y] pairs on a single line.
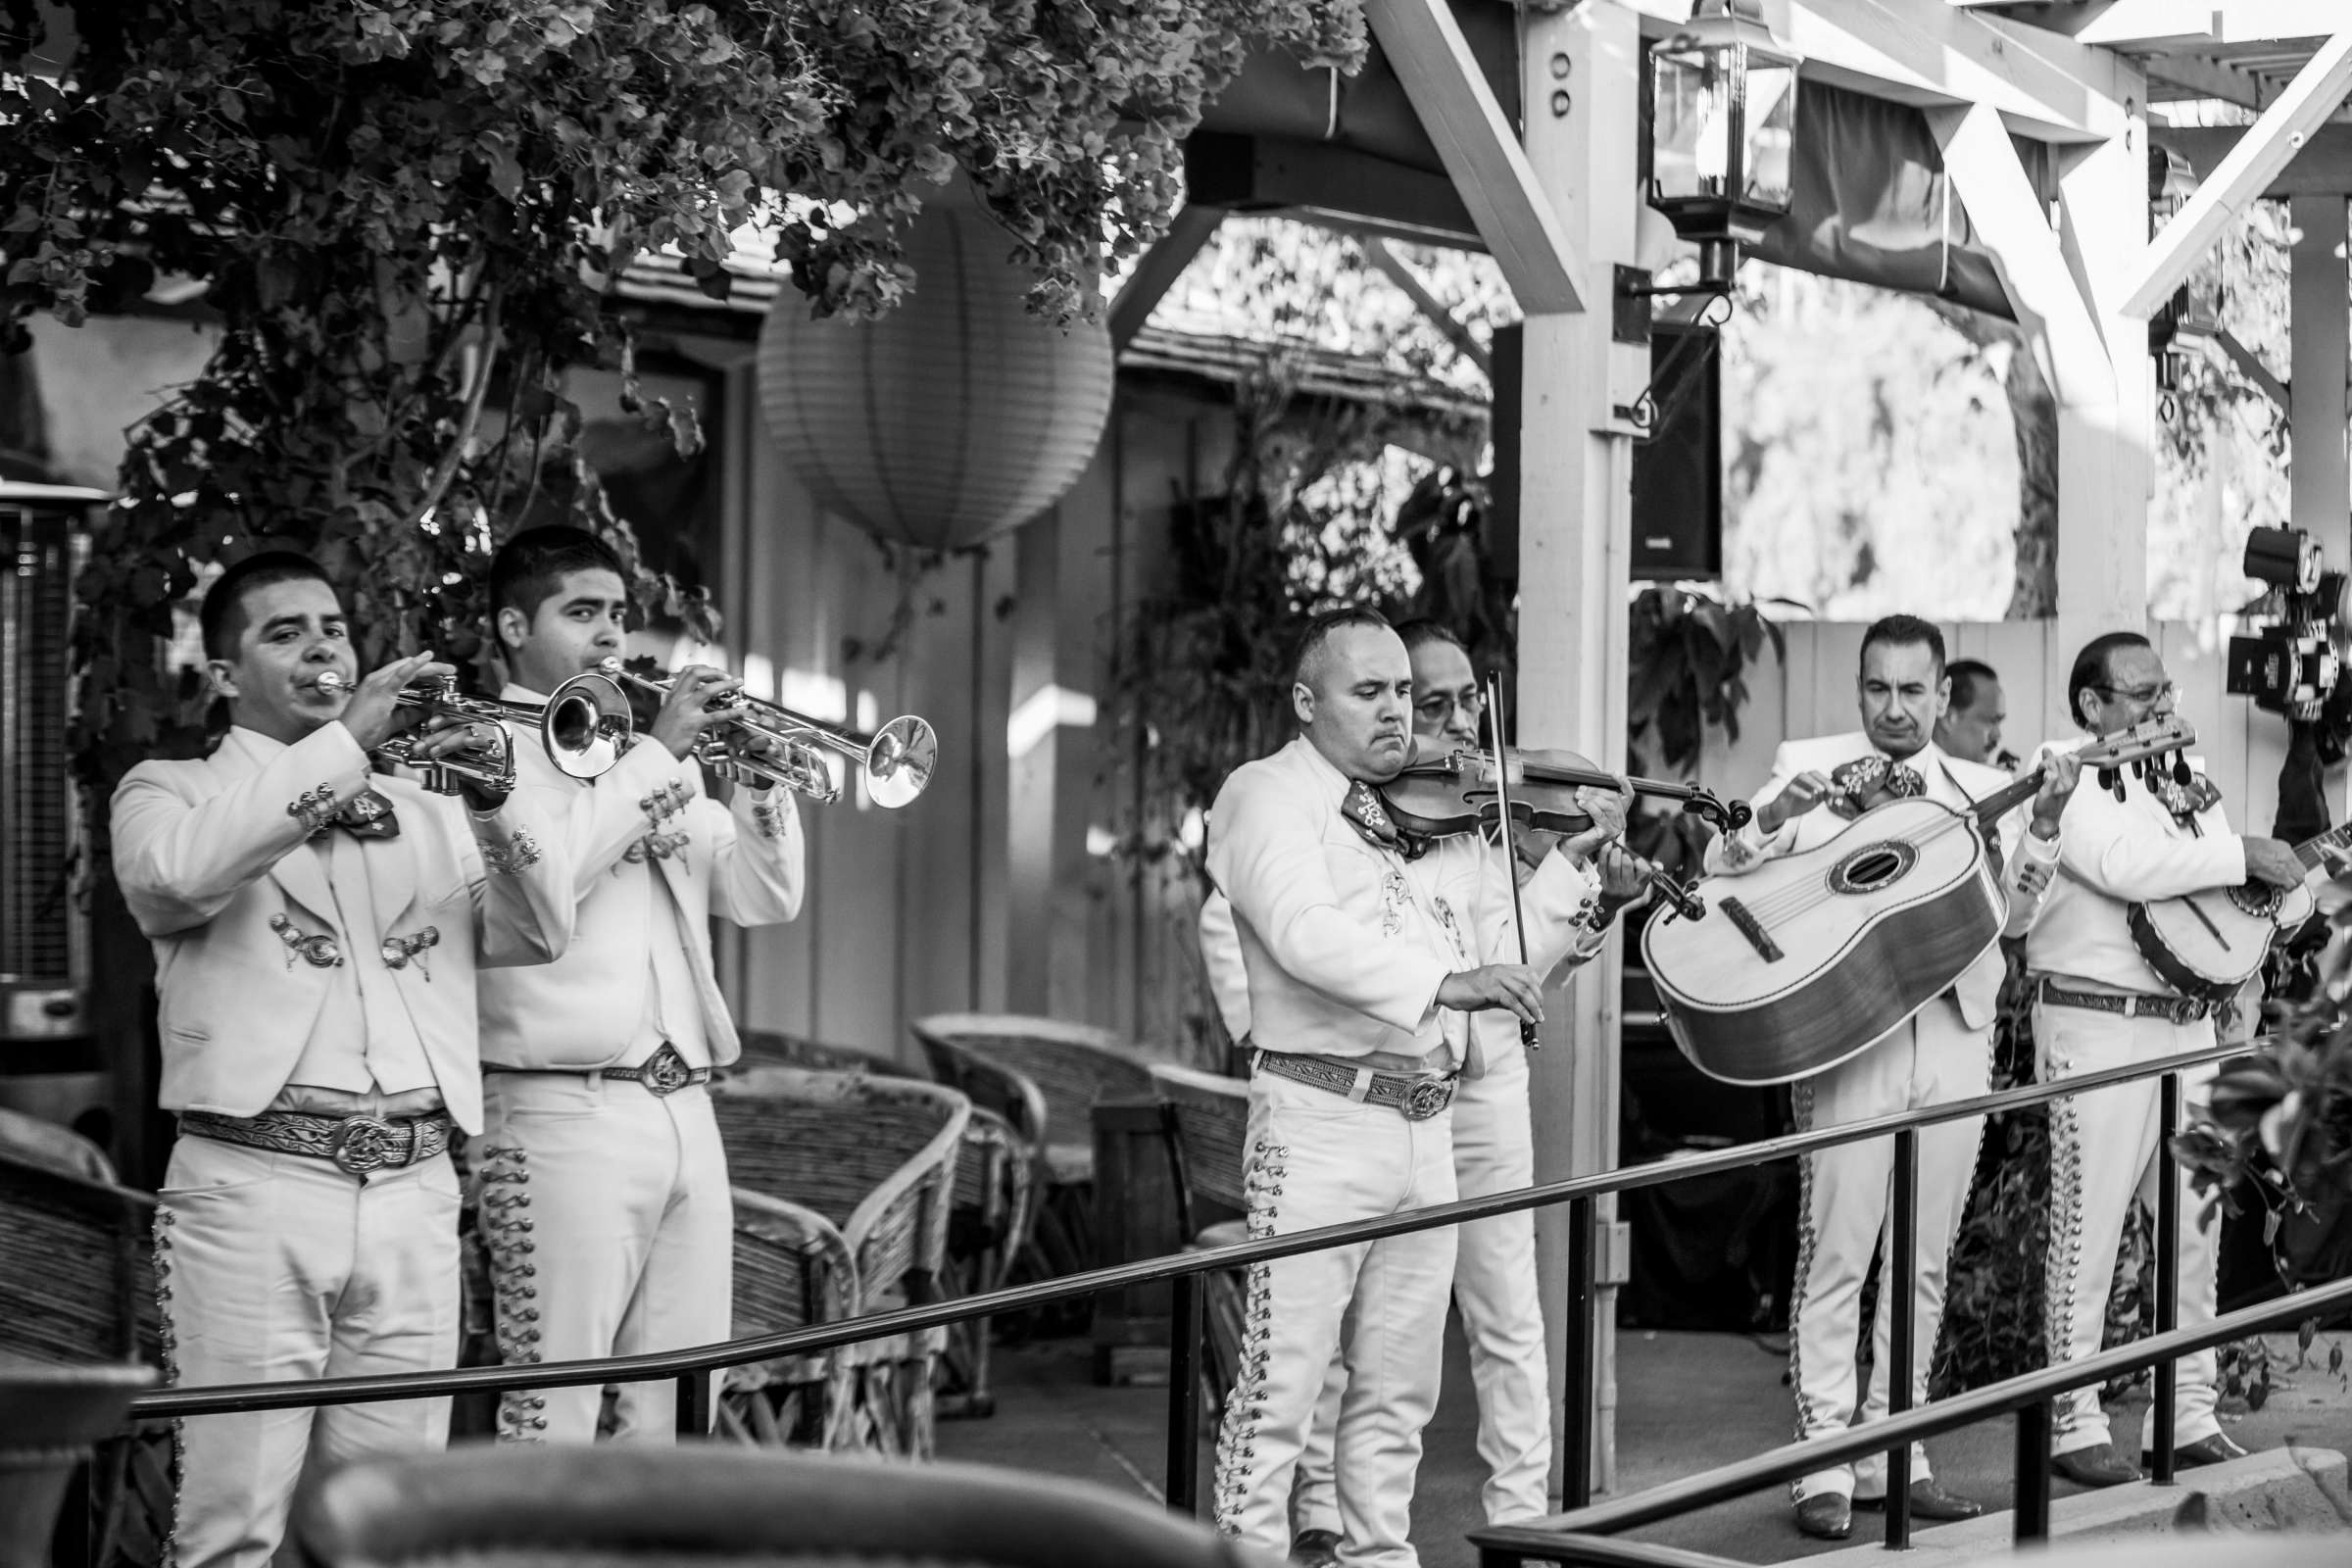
[[2290, 667]]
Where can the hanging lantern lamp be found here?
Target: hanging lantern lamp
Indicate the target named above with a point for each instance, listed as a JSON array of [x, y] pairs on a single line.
[[950, 418], [1723, 132]]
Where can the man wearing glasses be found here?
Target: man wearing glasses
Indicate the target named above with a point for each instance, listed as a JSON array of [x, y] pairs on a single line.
[[2097, 1005]]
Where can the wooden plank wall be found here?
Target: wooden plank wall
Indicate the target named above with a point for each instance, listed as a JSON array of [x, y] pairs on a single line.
[[1813, 694]]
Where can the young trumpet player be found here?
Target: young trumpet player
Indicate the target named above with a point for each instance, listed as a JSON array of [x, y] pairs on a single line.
[[316, 930], [604, 1209]]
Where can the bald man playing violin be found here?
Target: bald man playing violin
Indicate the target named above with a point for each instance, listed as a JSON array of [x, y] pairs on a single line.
[[1942, 1053], [1377, 991]]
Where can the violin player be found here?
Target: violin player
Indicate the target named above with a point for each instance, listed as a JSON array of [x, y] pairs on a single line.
[[1494, 1142], [1943, 1053], [1363, 968]]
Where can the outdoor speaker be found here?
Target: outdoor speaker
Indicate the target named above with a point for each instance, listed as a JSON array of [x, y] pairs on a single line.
[[1677, 472]]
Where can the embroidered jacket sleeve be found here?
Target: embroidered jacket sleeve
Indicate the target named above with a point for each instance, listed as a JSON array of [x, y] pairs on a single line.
[[2111, 847], [1560, 900], [1265, 851], [523, 910], [1745, 849], [1221, 958], [180, 861], [2028, 866], [597, 823], [757, 855]]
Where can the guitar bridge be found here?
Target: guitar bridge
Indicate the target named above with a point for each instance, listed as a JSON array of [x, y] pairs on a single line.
[[1751, 928]]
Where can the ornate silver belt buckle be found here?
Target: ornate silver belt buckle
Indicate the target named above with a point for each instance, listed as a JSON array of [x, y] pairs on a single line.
[[665, 1071], [362, 1144], [1426, 1098]]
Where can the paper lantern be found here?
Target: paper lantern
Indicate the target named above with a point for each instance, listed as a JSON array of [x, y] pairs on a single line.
[[952, 419]]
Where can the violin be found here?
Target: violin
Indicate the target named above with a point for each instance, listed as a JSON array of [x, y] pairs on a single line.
[[1462, 791]]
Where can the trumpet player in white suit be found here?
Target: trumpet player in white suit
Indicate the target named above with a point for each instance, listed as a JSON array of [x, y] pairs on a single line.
[[1363, 968], [1493, 1141], [605, 1204], [2098, 1004], [317, 931], [1943, 1053]]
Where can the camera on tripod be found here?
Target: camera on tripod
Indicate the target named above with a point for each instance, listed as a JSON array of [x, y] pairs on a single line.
[[2291, 665]]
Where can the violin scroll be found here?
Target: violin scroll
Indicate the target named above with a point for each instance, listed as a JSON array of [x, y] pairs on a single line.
[[1704, 803]]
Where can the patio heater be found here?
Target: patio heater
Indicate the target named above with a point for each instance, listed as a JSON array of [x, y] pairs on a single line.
[[1722, 143]]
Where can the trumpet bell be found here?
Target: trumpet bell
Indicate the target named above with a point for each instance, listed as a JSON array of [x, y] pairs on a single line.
[[901, 761], [585, 725]]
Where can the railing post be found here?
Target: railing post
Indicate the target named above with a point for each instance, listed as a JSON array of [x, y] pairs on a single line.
[[2168, 1277], [1184, 1395], [694, 1405], [1575, 1479], [2033, 1491], [1894, 1288]]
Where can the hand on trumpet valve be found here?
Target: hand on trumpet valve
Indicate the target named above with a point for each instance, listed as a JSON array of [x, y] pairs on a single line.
[[456, 738], [374, 715], [688, 711]]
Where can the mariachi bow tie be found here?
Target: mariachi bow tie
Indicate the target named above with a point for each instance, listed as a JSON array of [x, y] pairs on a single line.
[[1361, 807], [1857, 785], [363, 817]]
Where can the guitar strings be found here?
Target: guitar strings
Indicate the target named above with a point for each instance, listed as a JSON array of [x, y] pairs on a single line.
[[1805, 896]]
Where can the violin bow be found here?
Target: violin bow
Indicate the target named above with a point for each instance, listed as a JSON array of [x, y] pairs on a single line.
[[1511, 848]]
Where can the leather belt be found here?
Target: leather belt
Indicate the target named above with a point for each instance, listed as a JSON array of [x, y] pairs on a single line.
[[664, 1073], [1417, 1097], [355, 1143], [2127, 1004]]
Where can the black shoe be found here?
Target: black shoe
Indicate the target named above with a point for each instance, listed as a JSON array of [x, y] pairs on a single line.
[[1825, 1516], [1315, 1548], [2215, 1449], [2099, 1466], [1930, 1501]]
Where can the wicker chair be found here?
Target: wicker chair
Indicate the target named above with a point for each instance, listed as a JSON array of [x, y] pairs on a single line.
[[793, 1269], [77, 1288], [50, 1417], [876, 1157], [988, 1223], [1043, 1077], [623, 1506], [1207, 1119]]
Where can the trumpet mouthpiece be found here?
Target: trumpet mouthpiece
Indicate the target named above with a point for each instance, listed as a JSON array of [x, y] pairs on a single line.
[[331, 683]]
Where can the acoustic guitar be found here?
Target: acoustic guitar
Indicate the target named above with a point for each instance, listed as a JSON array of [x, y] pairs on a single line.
[[1820, 954], [2208, 944]]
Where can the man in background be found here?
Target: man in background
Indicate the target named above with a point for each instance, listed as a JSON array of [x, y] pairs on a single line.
[[1971, 729]]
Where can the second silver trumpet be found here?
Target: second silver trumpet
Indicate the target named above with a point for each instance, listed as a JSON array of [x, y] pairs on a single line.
[[584, 726], [897, 760]]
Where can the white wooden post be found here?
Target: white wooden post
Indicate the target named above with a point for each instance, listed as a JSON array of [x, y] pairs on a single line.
[[2321, 484], [2105, 470], [1580, 91]]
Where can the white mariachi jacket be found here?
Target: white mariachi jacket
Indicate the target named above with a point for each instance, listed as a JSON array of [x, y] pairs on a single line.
[[743, 862], [213, 858], [2026, 860], [1342, 943]]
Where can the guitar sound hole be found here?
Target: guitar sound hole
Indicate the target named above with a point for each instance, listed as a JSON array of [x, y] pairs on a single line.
[[1873, 867], [2257, 898]]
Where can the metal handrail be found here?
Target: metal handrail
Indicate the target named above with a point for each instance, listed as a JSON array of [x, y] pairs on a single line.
[[2027, 1394], [1184, 1272], [225, 1399]]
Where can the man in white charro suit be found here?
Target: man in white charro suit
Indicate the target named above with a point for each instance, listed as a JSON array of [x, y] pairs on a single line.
[[1493, 1143], [1361, 967], [1943, 1053], [2097, 1004], [605, 1210], [316, 929]]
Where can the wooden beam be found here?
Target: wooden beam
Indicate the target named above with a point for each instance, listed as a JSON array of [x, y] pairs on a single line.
[[2042, 84], [2322, 167], [1161, 266], [2154, 23], [1385, 262], [2181, 77], [2006, 209], [1320, 183], [1480, 151], [2267, 147]]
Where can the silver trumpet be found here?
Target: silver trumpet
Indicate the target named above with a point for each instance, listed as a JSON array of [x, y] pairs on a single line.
[[896, 760], [584, 726]]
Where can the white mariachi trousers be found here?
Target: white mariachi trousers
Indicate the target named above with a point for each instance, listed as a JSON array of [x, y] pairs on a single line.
[[1494, 1286], [1846, 1209], [610, 1231], [1317, 1158], [273, 1267], [2106, 1147]]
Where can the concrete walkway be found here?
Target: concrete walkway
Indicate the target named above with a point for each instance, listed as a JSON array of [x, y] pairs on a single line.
[[1688, 1402]]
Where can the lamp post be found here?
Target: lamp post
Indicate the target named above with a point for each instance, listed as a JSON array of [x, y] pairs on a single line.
[[1723, 128]]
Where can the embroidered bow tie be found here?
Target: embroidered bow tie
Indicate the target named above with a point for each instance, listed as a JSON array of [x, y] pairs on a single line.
[[1857, 785], [363, 817], [1362, 808]]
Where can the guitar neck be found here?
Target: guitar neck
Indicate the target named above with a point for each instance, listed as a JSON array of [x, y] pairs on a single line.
[[2001, 801], [2312, 851]]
